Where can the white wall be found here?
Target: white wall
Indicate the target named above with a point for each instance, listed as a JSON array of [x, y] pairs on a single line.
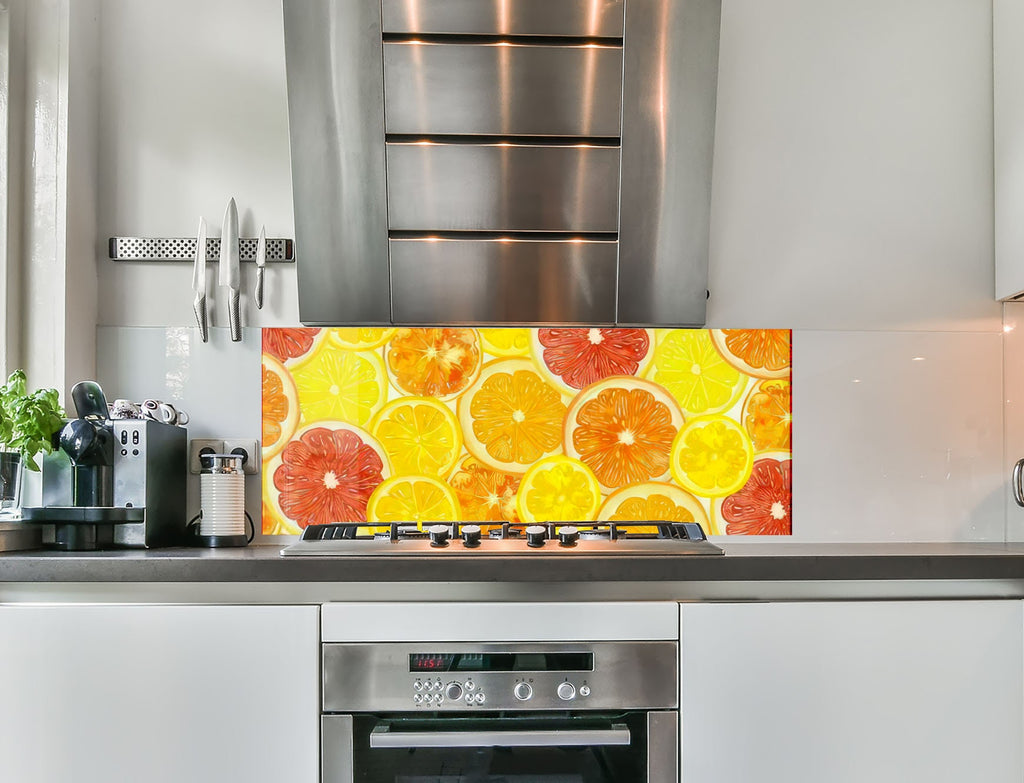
[[852, 202]]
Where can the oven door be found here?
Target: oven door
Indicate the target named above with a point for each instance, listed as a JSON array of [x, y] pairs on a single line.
[[630, 747]]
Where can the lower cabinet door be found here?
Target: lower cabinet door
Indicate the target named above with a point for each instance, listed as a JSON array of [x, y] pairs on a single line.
[[848, 692], [161, 694]]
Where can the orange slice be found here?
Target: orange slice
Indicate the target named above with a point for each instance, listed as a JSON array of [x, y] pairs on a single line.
[[416, 499], [622, 428], [763, 353], [511, 417], [340, 385], [575, 358], [485, 494], [764, 505], [438, 363], [288, 344], [506, 342], [280, 406], [325, 474], [712, 456], [653, 500], [363, 338], [687, 363], [768, 415], [558, 489], [420, 435]]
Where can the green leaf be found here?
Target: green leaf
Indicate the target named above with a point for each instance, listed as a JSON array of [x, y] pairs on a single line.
[[28, 421]]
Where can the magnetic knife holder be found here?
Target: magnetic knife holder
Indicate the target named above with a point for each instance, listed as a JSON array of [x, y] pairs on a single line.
[[279, 251]]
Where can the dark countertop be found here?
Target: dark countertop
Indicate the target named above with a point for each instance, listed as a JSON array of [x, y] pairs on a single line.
[[743, 562]]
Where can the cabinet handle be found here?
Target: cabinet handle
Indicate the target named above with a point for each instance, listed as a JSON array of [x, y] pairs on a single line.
[[1018, 486]]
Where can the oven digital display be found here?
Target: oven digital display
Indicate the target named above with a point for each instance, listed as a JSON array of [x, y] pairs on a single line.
[[502, 662]]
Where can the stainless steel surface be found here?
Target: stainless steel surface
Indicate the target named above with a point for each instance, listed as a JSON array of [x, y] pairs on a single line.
[[228, 268], [626, 675], [497, 548], [1018, 482], [199, 281], [502, 89], [166, 249], [221, 463], [502, 187], [455, 281], [336, 749], [261, 262], [592, 18], [383, 737], [335, 77], [17, 536], [663, 747], [668, 127]]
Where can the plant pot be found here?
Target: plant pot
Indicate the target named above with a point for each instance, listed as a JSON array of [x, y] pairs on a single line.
[[11, 469]]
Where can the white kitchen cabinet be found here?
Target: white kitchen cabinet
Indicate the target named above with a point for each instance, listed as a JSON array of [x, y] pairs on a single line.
[[1008, 128], [161, 694], [900, 692]]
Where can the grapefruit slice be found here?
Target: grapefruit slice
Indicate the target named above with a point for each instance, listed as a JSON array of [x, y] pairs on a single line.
[[712, 456], [485, 494], [622, 428], [325, 474], [558, 489], [290, 344], [511, 417], [764, 506], [420, 435], [440, 363], [572, 359], [280, 406], [763, 353]]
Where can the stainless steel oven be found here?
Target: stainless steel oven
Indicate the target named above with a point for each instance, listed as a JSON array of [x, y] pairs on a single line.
[[518, 712]]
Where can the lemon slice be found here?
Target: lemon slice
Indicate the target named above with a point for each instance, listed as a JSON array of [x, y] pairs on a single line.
[[505, 342], [688, 365], [340, 385], [416, 499], [363, 338], [712, 456], [558, 489], [420, 435], [653, 500]]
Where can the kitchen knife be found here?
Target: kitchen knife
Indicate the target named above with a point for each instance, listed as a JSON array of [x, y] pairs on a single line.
[[229, 276], [261, 262], [199, 281]]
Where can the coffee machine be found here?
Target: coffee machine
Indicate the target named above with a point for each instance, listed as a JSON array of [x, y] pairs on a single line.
[[117, 482]]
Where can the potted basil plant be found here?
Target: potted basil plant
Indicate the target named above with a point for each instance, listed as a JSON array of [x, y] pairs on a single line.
[[28, 423]]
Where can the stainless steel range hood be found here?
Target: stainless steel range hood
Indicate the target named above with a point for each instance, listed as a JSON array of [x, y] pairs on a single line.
[[502, 161]]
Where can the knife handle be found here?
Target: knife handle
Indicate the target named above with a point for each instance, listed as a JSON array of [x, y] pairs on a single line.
[[258, 294], [234, 317], [199, 306]]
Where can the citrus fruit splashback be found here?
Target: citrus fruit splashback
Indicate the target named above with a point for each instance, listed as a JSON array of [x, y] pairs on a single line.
[[528, 425]]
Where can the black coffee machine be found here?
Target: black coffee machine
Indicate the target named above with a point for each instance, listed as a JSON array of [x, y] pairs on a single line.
[[114, 482]]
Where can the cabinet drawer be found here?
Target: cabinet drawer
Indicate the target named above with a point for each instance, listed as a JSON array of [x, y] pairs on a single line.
[[502, 281], [502, 187], [502, 89]]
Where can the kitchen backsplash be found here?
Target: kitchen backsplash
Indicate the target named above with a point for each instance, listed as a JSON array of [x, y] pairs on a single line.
[[515, 424]]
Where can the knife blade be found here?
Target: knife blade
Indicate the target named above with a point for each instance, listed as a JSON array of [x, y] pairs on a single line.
[[199, 281], [261, 262], [229, 274]]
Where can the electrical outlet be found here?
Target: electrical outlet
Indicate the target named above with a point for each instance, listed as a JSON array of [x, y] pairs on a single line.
[[198, 446], [249, 449]]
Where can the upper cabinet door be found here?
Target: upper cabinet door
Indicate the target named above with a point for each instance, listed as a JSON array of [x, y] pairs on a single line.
[[1008, 100], [502, 161]]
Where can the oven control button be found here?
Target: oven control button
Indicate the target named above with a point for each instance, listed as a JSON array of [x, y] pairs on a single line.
[[568, 535], [470, 685], [584, 690], [536, 535], [469, 698], [417, 699], [479, 698], [471, 535], [438, 698], [566, 691], [417, 686], [453, 691], [522, 691], [438, 535]]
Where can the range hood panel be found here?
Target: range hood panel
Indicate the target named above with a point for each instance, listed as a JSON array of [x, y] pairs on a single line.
[[577, 135]]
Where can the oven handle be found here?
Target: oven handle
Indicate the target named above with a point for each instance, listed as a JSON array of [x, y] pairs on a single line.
[[383, 737]]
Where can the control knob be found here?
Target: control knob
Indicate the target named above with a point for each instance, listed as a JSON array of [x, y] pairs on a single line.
[[522, 691], [471, 535], [453, 692], [536, 535], [438, 535], [566, 691], [568, 535]]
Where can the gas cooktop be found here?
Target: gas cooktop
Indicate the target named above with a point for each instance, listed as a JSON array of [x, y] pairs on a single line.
[[456, 539]]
